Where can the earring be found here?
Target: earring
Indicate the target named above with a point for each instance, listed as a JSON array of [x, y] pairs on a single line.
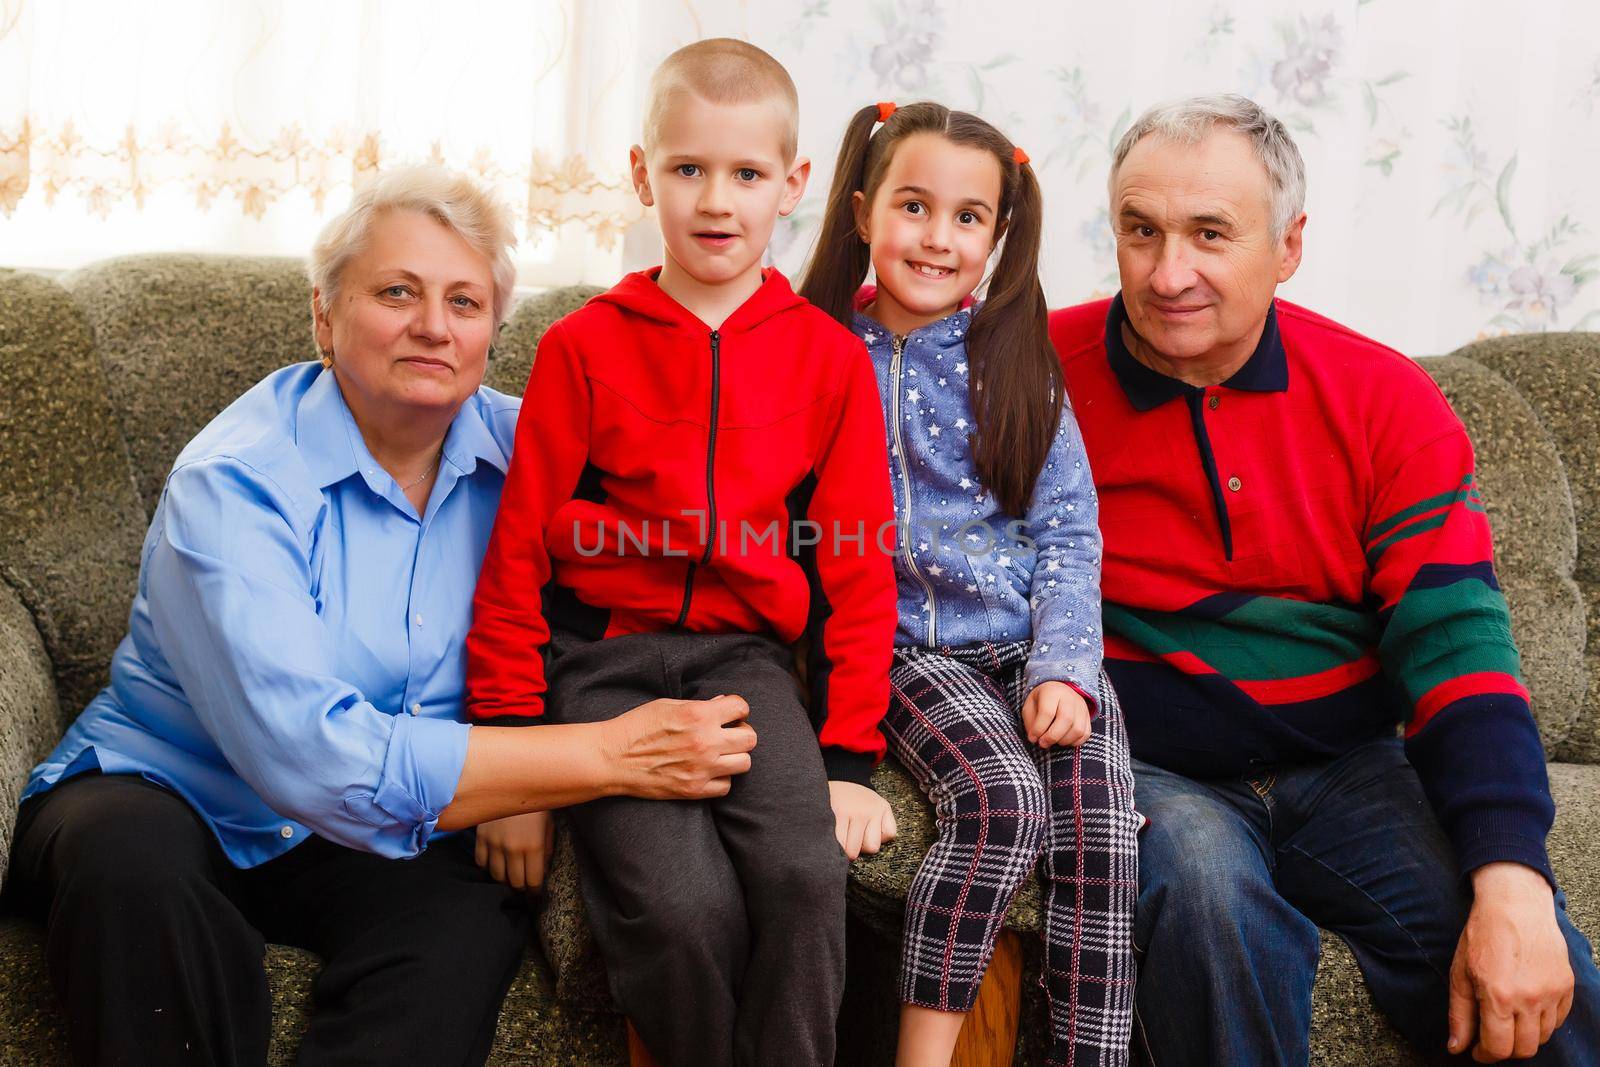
[[327, 358]]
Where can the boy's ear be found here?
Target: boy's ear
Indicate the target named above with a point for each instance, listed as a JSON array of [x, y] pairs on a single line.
[[794, 186], [640, 173], [858, 205]]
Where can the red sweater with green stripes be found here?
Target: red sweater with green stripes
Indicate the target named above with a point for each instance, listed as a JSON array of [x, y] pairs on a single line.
[[1298, 559]]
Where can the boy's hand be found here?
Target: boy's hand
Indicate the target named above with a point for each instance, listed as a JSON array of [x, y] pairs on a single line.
[[1055, 714], [516, 850], [862, 820]]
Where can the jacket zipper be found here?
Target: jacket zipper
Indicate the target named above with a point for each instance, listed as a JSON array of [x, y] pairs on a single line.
[[711, 487], [896, 347]]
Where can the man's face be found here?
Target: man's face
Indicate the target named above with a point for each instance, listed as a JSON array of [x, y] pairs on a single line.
[[1195, 247], [718, 180]]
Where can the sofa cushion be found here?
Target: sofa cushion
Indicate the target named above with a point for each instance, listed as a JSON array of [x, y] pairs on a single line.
[[1531, 510], [69, 517], [563, 930], [30, 722], [534, 1031], [1558, 375], [182, 336]]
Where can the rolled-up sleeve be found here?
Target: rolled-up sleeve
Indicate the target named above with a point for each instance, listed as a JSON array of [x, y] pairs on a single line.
[[230, 585]]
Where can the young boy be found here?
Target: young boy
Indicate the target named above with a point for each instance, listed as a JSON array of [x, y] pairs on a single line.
[[675, 432]]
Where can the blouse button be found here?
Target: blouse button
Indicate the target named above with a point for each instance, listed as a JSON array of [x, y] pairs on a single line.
[[1235, 484], [1213, 401], [416, 709], [286, 832]]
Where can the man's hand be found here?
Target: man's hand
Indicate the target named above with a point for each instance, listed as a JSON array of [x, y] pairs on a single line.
[[680, 749], [516, 850], [1511, 982], [1055, 714], [862, 820]]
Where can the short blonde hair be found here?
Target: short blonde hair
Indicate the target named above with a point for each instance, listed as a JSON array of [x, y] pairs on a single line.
[[452, 199], [722, 70]]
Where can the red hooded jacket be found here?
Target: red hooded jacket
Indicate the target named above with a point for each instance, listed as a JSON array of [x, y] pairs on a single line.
[[659, 472]]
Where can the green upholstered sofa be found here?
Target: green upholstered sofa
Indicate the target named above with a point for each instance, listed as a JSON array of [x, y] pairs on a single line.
[[105, 373]]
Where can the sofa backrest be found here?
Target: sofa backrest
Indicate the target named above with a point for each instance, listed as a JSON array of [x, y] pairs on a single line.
[[70, 520], [1530, 509], [182, 336], [1557, 377]]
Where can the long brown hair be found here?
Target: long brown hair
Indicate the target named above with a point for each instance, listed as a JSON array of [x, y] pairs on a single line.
[[1015, 381]]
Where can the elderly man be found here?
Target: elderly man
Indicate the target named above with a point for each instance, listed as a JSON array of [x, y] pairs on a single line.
[[1297, 559]]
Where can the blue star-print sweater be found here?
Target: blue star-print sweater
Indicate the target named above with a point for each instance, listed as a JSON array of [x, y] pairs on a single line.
[[966, 571]]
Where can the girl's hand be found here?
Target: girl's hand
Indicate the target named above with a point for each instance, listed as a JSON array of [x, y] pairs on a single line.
[[1056, 714], [863, 821], [516, 850]]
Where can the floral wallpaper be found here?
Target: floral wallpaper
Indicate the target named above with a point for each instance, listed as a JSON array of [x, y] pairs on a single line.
[[1451, 149]]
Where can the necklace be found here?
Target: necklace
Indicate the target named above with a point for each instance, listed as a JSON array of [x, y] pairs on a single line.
[[424, 476]]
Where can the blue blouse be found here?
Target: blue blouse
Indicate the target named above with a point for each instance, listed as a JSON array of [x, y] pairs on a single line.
[[295, 656]]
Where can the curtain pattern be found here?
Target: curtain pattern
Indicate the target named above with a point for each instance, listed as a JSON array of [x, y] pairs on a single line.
[[241, 125]]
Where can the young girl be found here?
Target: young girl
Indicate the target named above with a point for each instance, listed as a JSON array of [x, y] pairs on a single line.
[[998, 705]]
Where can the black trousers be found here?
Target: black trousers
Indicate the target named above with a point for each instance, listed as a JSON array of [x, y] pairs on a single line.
[[721, 921], [155, 940]]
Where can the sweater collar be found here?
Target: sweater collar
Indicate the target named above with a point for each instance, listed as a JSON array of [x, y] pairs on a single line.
[[641, 293], [1266, 371]]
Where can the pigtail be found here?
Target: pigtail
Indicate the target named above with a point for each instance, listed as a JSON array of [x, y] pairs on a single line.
[[840, 260], [1016, 382]]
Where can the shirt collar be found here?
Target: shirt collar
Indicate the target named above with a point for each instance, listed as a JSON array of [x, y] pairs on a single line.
[[471, 440], [332, 449], [325, 433], [1266, 371]]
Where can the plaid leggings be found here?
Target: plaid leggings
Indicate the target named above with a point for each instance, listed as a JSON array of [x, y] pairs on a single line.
[[954, 721]]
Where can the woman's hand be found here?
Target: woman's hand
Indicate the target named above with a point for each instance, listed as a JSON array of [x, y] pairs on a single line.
[[680, 749], [1056, 714], [516, 850], [862, 820]]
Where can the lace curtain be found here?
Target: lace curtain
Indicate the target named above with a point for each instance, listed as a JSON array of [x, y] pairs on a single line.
[[235, 126]]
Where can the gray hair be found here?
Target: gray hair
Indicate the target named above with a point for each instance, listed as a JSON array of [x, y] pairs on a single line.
[[1189, 121], [449, 198]]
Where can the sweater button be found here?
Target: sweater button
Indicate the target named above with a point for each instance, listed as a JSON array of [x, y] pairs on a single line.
[[1235, 484], [1213, 401]]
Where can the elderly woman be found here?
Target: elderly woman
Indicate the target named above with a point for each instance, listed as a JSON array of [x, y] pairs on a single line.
[[281, 753]]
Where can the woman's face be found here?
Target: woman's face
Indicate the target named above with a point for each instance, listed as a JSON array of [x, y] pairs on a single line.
[[412, 322]]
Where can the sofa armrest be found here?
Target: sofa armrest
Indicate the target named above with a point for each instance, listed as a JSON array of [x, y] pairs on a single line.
[[30, 723]]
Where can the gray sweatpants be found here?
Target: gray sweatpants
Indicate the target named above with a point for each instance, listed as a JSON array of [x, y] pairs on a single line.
[[721, 921]]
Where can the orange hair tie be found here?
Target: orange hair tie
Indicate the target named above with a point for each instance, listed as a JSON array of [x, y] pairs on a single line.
[[1018, 156], [885, 109]]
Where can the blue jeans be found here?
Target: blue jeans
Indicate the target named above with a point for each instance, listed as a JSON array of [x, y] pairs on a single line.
[[1236, 875]]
